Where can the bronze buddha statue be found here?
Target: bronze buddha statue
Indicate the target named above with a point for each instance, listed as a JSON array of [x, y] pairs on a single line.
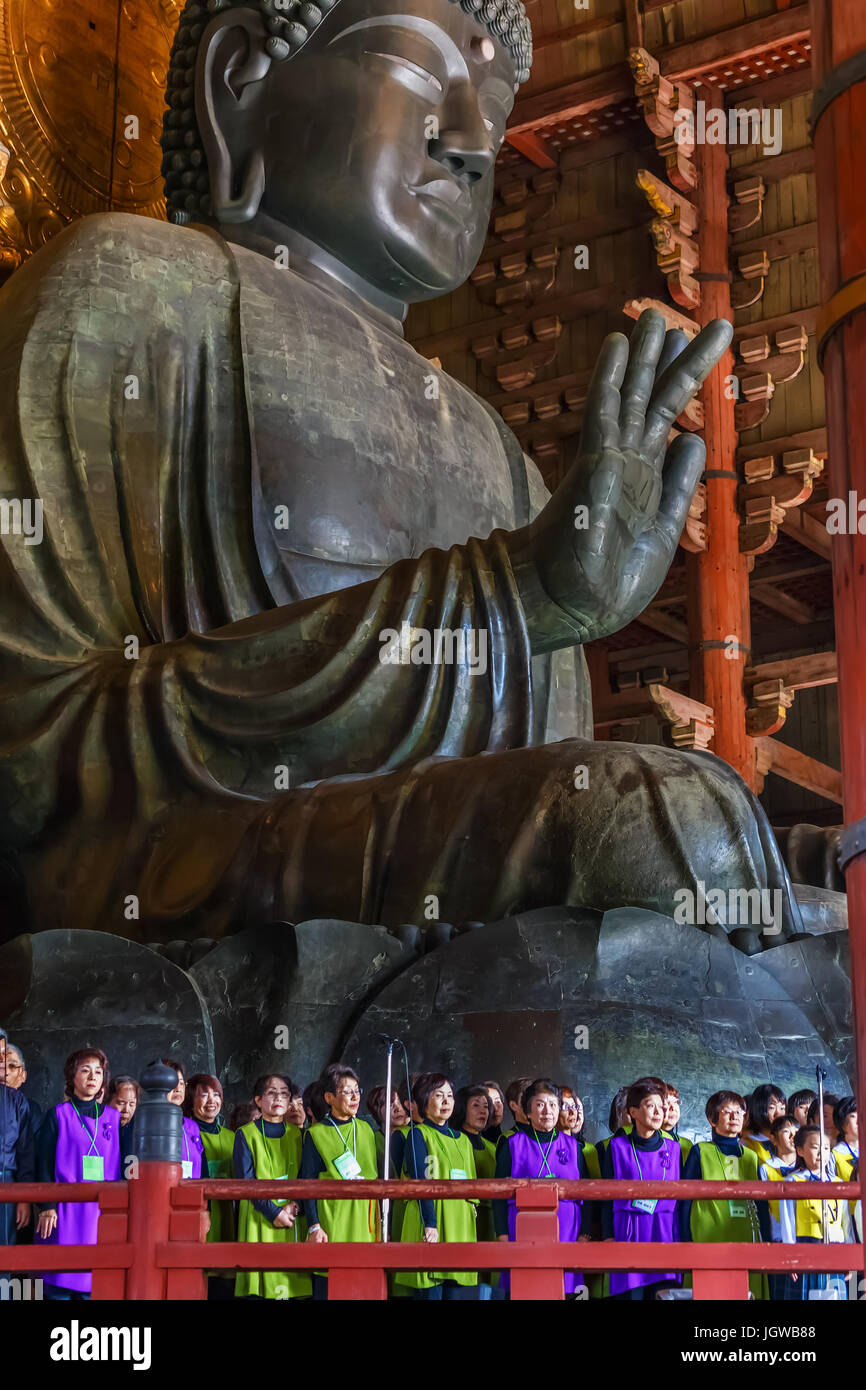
[[248, 476]]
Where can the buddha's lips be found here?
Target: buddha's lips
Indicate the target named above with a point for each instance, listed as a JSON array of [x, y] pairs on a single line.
[[445, 191]]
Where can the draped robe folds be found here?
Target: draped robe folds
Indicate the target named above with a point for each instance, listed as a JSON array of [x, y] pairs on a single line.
[[165, 673]]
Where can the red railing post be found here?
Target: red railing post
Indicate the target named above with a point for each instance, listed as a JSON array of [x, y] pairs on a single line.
[[109, 1285], [187, 1222], [538, 1224], [156, 1170], [727, 1284], [362, 1284]]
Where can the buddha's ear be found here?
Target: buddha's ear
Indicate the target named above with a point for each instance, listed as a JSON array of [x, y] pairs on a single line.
[[229, 89]]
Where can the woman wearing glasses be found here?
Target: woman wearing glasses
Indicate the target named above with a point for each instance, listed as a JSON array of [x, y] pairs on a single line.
[[540, 1149], [269, 1148], [436, 1151], [340, 1147]]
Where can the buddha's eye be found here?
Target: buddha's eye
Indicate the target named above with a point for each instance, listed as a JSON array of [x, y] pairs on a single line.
[[425, 82]]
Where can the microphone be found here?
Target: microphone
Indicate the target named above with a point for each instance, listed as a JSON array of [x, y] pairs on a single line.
[[386, 1038]]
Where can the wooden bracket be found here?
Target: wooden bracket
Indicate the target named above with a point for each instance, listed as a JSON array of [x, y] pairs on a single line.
[[748, 208], [694, 534], [769, 706]]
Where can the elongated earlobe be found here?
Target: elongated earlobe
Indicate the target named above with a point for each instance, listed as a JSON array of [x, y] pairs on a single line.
[[244, 207]]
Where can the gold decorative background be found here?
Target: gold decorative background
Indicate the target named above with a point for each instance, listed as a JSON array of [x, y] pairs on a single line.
[[71, 72]]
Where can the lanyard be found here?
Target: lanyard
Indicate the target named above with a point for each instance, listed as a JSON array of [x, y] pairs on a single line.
[[94, 1149], [354, 1149], [544, 1152], [185, 1145], [637, 1160]]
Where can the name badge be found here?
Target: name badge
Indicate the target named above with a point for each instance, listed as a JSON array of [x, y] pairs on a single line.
[[280, 1177], [348, 1166], [645, 1205], [186, 1167], [457, 1173], [92, 1168], [738, 1209]]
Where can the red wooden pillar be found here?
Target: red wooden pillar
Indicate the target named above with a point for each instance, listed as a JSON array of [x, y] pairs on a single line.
[[718, 578], [537, 1224], [839, 117], [149, 1218]]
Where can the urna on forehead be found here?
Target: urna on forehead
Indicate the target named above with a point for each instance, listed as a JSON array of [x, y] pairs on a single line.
[[288, 26]]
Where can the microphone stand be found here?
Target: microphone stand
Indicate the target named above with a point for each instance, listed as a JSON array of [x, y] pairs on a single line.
[[386, 1201], [820, 1076]]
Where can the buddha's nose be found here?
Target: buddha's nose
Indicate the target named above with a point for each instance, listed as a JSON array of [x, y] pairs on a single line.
[[462, 144]]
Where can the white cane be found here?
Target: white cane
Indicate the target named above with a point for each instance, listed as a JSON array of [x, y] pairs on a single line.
[[820, 1076]]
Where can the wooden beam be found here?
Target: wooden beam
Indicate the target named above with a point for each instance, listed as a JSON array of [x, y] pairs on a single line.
[[534, 147], [566, 306], [563, 102], [662, 622], [806, 318], [581, 232], [782, 638], [742, 41], [809, 532], [774, 90], [775, 166], [803, 771], [816, 440], [780, 245], [576, 31], [636, 704], [780, 602], [797, 672]]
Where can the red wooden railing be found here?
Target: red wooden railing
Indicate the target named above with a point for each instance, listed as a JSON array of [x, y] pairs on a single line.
[[151, 1240]]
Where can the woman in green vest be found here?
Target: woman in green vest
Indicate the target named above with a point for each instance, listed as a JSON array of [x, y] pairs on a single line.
[[203, 1103], [472, 1115], [340, 1147], [434, 1150], [725, 1159], [269, 1148]]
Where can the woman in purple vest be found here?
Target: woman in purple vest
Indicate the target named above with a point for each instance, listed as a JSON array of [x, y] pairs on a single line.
[[642, 1153], [538, 1149], [78, 1142]]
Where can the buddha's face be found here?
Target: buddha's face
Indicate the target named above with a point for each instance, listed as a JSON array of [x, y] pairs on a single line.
[[379, 139]]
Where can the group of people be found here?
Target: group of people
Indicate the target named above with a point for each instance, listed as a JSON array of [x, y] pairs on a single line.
[[531, 1129]]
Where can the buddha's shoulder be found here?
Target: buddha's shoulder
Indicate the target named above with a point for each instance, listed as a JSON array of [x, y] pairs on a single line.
[[131, 259]]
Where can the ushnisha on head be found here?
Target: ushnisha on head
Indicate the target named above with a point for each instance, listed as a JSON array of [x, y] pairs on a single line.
[[368, 128]]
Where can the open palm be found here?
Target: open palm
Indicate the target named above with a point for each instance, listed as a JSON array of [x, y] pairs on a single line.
[[598, 552]]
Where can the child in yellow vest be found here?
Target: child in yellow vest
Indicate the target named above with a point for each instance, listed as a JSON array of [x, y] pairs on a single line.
[[802, 1223], [766, 1104]]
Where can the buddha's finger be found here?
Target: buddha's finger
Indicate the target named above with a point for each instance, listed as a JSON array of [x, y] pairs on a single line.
[[681, 382], [645, 346]]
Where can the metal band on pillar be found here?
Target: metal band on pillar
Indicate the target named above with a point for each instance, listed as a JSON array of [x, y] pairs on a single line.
[[852, 842]]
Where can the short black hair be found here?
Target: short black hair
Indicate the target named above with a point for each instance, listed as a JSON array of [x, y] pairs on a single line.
[[638, 1092], [720, 1098], [424, 1088], [334, 1074], [261, 1082], [313, 1098], [779, 1124], [542, 1086], [799, 1140], [175, 1065], [813, 1117], [759, 1106], [514, 1090], [461, 1100], [804, 1097], [841, 1110]]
